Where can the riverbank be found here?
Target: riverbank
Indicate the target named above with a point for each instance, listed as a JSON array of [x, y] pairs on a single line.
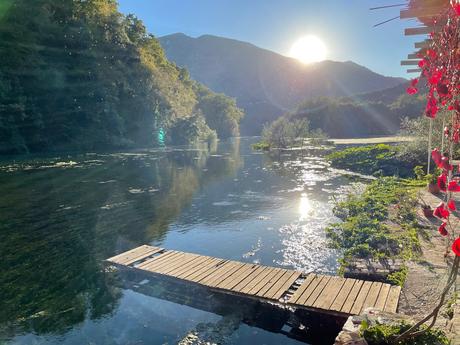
[[427, 275]]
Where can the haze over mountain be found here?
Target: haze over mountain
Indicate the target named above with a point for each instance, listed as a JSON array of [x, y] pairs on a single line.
[[264, 83]]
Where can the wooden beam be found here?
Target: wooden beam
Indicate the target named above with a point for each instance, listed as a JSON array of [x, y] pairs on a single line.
[[421, 30], [420, 12], [413, 56], [423, 44], [409, 62], [414, 70]]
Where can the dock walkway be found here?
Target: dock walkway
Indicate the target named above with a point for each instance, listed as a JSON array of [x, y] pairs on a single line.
[[314, 292]]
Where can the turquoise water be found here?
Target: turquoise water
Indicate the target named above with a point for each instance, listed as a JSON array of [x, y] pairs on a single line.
[[61, 216]]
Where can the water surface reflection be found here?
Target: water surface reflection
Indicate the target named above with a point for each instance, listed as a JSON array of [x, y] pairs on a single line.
[[61, 216]]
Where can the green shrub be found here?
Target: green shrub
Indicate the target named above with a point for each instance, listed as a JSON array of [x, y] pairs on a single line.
[[365, 232], [379, 159], [385, 334]]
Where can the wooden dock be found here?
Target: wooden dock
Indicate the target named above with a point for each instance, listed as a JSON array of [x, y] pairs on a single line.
[[314, 292]]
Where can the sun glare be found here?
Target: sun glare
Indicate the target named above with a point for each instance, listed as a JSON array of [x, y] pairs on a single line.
[[308, 49]]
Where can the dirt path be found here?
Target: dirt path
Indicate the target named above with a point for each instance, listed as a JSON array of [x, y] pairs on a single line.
[[427, 275], [369, 141]]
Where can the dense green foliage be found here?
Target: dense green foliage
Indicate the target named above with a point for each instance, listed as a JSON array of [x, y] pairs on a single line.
[[77, 74], [385, 334], [379, 159], [358, 116], [379, 224], [283, 133]]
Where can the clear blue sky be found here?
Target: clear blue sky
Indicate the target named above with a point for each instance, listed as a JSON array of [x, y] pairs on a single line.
[[344, 25]]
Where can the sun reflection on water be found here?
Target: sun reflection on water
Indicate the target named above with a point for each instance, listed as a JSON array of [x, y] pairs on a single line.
[[305, 208]]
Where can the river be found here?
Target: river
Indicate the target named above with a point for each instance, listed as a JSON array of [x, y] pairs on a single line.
[[62, 215]]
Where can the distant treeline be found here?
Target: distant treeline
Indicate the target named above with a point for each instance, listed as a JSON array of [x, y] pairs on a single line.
[[374, 114], [79, 75]]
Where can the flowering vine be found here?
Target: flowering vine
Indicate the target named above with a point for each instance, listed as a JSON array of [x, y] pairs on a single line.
[[440, 70]]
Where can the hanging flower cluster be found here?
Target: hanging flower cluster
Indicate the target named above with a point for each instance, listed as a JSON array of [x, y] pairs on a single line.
[[440, 65]]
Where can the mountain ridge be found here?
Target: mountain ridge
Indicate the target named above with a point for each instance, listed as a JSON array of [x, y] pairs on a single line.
[[267, 84]]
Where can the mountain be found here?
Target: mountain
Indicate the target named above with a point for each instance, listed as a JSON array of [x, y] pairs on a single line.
[[266, 84], [79, 75]]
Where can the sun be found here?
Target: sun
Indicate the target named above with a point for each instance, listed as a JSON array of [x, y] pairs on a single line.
[[308, 49]]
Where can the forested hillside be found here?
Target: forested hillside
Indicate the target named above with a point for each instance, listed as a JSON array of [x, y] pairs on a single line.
[[79, 75], [374, 114]]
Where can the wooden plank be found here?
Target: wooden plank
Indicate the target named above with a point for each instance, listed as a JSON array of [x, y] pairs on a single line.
[[219, 275], [207, 270], [266, 271], [341, 297], [391, 304], [135, 254], [315, 294], [423, 44], [284, 279], [264, 281], [133, 251], [421, 30], [171, 267], [238, 277], [380, 303], [253, 276], [279, 273], [413, 56], [240, 268], [154, 261], [192, 266], [357, 305], [143, 256], [295, 296], [307, 293], [166, 262], [287, 284], [330, 292], [424, 12], [200, 265], [372, 295], [349, 302], [414, 70], [410, 62]]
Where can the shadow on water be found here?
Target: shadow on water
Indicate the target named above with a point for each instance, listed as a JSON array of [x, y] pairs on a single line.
[[310, 328], [61, 216]]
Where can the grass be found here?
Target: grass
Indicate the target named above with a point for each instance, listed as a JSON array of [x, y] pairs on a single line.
[[381, 334], [378, 224], [377, 160], [261, 146]]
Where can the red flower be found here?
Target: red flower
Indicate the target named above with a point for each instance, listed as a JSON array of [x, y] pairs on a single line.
[[456, 136], [422, 63], [451, 205], [414, 82], [437, 156], [411, 90], [443, 90], [453, 187], [441, 211], [456, 7], [431, 107], [435, 78], [431, 53], [442, 182], [445, 164], [456, 247], [442, 229]]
